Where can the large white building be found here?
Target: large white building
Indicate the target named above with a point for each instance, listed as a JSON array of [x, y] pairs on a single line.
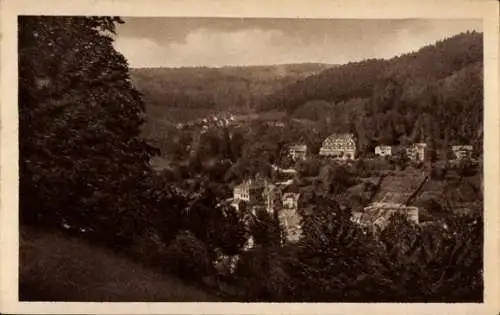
[[339, 146]]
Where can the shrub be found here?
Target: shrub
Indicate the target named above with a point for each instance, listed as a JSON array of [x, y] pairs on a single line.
[[188, 257], [466, 168]]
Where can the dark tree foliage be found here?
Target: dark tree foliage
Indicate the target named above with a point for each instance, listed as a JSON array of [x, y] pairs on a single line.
[[439, 262], [81, 160], [336, 261], [188, 257]]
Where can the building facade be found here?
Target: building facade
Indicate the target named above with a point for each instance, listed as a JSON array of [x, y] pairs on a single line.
[[377, 215], [339, 146], [257, 193], [289, 217], [462, 152], [384, 150], [298, 152], [416, 151]]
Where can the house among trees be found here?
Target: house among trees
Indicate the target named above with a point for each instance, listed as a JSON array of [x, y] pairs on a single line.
[[384, 150], [395, 196], [289, 217], [417, 151], [377, 215], [462, 152], [256, 193], [298, 152], [339, 146]]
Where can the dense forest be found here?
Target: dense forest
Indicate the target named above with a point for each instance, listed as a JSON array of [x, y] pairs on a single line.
[[435, 92], [236, 89], [85, 169]]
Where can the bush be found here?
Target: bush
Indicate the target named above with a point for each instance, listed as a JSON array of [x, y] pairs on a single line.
[[149, 248], [188, 257], [438, 172], [466, 168]]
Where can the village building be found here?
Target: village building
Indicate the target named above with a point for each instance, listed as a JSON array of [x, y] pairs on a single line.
[[396, 195], [384, 150], [416, 151], [339, 146], [462, 152], [290, 200], [298, 152], [256, 193], [377, 215], [289, 217]]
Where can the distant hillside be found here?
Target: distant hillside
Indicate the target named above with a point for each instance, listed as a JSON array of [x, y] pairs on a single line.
[[359, 79], [236, 89], [435, 92]]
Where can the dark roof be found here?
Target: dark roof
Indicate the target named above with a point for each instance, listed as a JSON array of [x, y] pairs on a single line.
[[398, 188]]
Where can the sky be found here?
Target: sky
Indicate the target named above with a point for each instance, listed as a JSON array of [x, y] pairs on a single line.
[[217, 42]]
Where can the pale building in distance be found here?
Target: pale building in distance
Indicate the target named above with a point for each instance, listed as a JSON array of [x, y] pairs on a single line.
[[257, 193], [417, 151], [339, 146], [462, 152], [289, 217], [298, 152], [384, 150]]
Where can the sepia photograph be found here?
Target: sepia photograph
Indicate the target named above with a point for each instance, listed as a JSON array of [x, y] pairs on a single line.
[[250, 159]]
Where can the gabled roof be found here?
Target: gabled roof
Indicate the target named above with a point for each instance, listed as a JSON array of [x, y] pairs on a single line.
[[398, 189], [379, 214], [340, 136]]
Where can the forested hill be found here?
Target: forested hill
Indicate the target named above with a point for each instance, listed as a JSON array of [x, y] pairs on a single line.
[[359, 79], [434, 92], [226, 88]]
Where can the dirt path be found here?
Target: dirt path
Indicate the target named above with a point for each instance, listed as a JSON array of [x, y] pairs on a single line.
[[56, 268]]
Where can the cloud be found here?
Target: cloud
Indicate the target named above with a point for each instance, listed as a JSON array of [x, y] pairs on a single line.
[[204, 47], [256, 46]]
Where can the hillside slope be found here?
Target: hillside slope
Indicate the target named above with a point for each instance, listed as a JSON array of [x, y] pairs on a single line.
[[226, 88], [435, 92], [56, 268]]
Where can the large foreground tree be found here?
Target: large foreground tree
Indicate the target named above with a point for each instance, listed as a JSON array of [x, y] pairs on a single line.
[[81, 161]]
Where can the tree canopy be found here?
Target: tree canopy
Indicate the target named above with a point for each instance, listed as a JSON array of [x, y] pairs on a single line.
[[82, 161]]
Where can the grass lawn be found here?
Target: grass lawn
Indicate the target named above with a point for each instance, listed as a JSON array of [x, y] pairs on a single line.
[[53, 267]]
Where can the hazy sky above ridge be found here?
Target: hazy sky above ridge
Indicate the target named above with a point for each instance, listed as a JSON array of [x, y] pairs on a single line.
[[215, 42]]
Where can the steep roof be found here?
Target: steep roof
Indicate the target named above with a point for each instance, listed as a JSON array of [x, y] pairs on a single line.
[[339, 136], [378, 214]]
